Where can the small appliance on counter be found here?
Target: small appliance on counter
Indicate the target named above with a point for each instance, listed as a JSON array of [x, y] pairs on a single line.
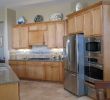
[[2, 60], [74, 63]]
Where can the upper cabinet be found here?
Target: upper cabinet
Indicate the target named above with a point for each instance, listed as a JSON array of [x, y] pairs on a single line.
[[20, 37], [60, 30], [36, 37], [71, 25], [97, 20], [44, 33], [51, 35], [87, 21], [79, 20], [55, 33], [38, 27]]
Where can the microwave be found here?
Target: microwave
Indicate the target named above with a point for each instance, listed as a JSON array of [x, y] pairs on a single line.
[[93, 44]]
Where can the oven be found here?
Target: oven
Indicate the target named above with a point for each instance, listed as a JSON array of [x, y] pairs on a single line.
[[93, 59], [93, 72]]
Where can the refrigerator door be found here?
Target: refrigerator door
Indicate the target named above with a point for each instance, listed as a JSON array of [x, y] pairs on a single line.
[[70, 53], [70, 83], [74, 83]]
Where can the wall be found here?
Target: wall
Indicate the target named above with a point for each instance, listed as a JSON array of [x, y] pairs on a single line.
[[2, 14], [10, 21], [84, 2], [46, 10]]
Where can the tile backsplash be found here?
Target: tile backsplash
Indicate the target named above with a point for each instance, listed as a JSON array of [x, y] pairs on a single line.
[[36, 52]]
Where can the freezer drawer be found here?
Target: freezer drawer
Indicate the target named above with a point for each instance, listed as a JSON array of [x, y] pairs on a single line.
[[71, 84]]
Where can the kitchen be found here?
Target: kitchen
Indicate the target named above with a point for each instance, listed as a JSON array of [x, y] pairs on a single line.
[[49, 55]]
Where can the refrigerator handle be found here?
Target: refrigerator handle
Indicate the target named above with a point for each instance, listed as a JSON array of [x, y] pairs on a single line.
[[67, 50]]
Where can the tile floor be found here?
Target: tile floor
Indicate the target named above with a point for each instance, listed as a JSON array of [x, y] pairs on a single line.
[[33, 90]]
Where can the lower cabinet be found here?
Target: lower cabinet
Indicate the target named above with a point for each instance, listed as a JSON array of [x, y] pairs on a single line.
[[52, 71], [19, 67], [49, 71], [35, 70]]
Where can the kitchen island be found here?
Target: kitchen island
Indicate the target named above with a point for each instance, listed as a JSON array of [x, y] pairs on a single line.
[[9, 89]]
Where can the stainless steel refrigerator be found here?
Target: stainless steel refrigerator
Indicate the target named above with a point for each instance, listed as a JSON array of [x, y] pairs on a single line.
[[74, 63]]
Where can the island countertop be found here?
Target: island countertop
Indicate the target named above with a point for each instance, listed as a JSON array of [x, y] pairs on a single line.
[[7, 75]]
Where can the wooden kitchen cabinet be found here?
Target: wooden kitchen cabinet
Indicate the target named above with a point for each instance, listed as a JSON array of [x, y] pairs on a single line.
[[16, 38], [35, 70], [20, 37], [71, 25], [19, 67], [60, 30], [38, 26], [9, 91], [54, 71], [50, 71], [55, 33], [51, 35], [97, 20], [88, 23], [79, 22], [36, 37]]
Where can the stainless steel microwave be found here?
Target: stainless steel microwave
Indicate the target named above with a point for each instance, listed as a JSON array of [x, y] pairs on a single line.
[[93, 44]]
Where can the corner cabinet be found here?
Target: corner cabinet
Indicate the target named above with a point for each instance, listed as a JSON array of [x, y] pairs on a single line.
[[20, 37]]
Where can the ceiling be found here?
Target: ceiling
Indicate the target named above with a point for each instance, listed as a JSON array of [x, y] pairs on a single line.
[[18, 3]]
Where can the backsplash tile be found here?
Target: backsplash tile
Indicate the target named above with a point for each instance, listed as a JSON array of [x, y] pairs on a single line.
[[36, 52]]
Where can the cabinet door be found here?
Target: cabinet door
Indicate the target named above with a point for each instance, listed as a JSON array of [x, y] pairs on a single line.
[[38, 27], [55, 73], [71, 25], [19, 67], [48, 72], [35, 70], [60, 30], [52, 71], [15, 68], [21, 70], [79, 22], [36, 37], [24, 37], [97, 20], [51, 35], [61, 66], [15, 38], [88, 23]]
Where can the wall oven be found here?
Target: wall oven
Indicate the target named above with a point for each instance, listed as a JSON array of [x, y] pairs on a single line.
[[93, 72], [93, 59]]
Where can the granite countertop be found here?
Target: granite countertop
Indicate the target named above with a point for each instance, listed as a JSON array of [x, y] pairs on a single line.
[[39, 59], [7, 75]]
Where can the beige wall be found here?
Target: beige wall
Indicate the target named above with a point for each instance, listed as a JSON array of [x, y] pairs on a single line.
[[31, 11], [2, 14], [10, 21]]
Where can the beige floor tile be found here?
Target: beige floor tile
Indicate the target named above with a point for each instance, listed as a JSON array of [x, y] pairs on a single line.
[[33, 90]]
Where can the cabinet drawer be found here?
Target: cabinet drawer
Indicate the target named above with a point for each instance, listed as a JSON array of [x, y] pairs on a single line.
[[52, 63], [12, 62], [34, 63]]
